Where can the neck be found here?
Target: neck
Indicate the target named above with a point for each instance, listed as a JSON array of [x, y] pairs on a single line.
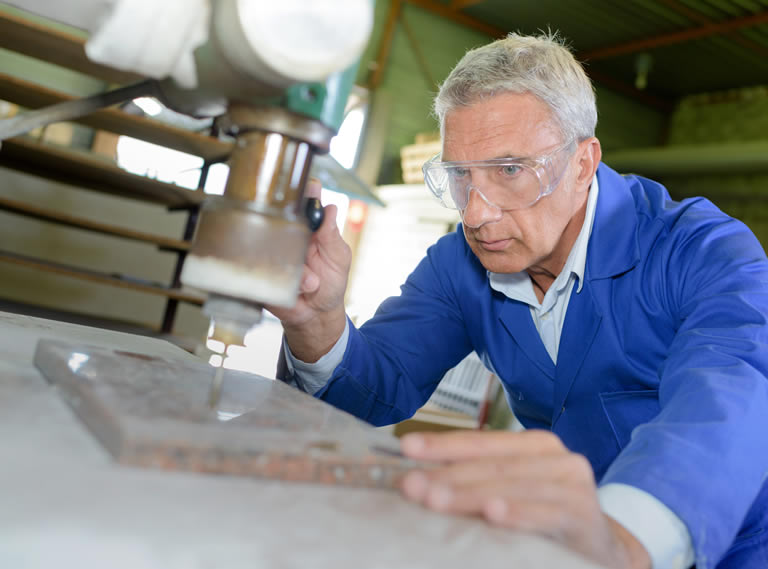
[[544, 274]]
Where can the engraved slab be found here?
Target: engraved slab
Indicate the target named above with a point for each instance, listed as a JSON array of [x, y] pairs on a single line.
[[153, 411]]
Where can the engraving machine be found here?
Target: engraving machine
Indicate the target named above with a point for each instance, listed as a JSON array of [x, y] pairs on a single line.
[[277, 74]]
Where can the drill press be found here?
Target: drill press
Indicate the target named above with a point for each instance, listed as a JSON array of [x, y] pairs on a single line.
[[250, 243], [277, 76], [283, 101]]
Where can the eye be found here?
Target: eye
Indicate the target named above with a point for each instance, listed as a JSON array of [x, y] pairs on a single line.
[[458, 173], [510, 169]]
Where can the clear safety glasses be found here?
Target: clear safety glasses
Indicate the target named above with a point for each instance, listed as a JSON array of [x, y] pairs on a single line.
[[507, 183]]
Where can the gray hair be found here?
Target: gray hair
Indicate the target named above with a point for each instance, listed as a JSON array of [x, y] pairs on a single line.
[[540, 65]]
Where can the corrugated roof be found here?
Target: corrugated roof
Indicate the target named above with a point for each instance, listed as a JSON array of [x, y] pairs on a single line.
[[695, 45]]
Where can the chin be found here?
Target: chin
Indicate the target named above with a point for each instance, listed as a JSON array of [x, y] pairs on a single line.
[[500, 262]]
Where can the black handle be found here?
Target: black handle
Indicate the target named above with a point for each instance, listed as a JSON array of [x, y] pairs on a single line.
[[315, 213]]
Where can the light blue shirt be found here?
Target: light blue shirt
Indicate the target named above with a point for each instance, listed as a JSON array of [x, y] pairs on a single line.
[[653, 524]]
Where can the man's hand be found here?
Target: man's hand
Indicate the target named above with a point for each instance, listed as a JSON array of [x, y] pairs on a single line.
[[523, 481], [317, 320]]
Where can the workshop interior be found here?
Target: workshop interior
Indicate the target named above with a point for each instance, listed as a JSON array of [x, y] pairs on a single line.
[[154, 158], [212, 132]]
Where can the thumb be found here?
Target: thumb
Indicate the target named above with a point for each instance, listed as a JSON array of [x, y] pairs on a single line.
[[328, 231]]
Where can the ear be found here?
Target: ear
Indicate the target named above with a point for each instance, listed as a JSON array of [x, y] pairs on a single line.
[[589, 154]]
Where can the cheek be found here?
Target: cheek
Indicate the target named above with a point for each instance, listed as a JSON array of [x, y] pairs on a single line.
[[548, 225], [531, 229]]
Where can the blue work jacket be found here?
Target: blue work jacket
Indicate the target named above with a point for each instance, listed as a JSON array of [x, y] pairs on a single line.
[[661, 378]]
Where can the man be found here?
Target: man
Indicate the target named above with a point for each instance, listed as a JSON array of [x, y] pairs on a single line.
[[628, 332]]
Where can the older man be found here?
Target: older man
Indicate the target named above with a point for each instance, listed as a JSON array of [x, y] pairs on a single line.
[[628, 331]]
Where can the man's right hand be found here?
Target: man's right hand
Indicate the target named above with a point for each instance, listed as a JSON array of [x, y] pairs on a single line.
[[317, 320]]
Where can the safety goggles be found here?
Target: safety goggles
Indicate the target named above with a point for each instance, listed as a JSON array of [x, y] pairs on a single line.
[[508, 183]]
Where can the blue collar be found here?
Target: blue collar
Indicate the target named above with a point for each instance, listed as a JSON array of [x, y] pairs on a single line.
[[614, 248]]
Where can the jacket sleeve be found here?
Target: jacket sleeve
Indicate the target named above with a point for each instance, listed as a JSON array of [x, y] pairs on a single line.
[[394, 362], [706, 454]]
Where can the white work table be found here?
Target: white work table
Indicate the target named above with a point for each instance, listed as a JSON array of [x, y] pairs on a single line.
[[65, 503]]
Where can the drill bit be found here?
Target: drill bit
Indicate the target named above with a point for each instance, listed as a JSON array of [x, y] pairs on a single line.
[[214, 394]]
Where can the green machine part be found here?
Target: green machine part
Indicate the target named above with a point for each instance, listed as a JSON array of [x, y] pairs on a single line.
[[325, 102]]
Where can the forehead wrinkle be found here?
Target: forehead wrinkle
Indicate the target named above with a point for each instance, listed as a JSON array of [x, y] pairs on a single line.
[[495, 139], [510, 156]]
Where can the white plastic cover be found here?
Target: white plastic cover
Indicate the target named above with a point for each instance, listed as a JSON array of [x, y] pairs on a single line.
[[306, 40], [156, 39]]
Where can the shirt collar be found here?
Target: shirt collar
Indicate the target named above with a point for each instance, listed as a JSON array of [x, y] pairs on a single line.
[[518, 285], [579, 250]]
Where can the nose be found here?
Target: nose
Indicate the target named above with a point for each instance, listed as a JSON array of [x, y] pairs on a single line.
[[479, 210]]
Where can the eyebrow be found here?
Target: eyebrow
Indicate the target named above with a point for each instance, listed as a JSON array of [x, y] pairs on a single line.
[[501, 157], [510, 157]]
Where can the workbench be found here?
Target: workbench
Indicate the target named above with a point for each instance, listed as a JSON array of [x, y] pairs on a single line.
[[65, 503]]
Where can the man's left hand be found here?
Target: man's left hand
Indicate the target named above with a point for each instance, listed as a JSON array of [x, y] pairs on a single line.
[[524, 481]]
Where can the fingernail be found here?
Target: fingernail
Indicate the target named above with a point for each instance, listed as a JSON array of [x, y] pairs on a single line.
[[413, 444], [415, 485], [440, 497], [496, 510]]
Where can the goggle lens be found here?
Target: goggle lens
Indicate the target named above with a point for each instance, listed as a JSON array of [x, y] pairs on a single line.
[[508, 186]]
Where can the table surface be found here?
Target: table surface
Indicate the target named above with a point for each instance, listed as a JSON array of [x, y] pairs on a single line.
[[65, 503]]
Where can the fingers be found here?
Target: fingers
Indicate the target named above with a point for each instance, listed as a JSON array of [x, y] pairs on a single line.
[[465, 445], [566, 465], [514, 496], [328, 229], [500, 476], [553, 496], [327, 249], [466, 488], [523, 481]]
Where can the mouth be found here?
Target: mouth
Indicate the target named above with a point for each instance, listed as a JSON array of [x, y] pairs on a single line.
[[493, 245]]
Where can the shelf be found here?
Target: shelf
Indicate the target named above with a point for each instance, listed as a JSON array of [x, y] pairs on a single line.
[[32, 96], [35, 212], [65, 47], [124, 326], [115, 280], [85, 170], [55, 46]]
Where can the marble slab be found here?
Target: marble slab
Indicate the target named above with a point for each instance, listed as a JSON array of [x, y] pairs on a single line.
[[153, 411]]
